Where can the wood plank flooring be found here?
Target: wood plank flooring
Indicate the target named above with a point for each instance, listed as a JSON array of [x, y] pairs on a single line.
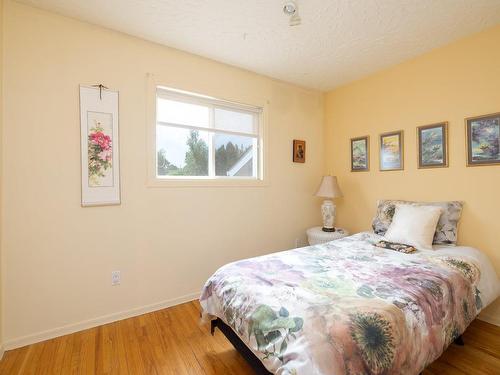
[[174, 341]]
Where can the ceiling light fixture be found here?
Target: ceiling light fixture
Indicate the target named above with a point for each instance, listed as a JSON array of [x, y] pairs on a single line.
[[291, 9]]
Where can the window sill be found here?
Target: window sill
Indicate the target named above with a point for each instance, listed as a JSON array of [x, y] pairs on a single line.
[[174, 183]]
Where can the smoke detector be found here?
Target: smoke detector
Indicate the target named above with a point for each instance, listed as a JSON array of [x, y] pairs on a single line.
[[291, 9]]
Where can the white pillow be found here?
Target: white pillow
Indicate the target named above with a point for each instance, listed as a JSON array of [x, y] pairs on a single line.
[[414, 225]]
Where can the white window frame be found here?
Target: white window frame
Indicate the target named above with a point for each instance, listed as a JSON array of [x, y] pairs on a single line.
[[259, 111]]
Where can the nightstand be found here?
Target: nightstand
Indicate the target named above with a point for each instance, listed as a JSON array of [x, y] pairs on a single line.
[[316, 236]]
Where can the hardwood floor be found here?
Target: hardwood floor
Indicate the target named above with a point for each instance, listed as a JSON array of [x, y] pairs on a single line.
[[174, 341]]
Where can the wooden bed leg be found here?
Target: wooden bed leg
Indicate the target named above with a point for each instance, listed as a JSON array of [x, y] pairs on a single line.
[[459, 341], [213, 324]]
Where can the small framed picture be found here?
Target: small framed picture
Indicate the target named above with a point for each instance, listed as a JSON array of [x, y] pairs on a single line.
[[483, 140], [391, 151], [360, 154], [432, 144], [299, 151]]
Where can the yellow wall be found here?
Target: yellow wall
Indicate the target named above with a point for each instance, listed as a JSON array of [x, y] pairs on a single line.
[[1, 151], [448, 84], [165, 241]]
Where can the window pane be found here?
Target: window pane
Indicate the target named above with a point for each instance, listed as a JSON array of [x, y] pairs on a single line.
[[182, 113], [234, 155], [181, 152], [236, 121]]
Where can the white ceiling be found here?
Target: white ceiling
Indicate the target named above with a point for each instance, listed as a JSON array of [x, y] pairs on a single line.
[[338, 41]]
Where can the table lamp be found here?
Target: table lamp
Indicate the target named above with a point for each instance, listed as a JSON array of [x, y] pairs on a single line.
[[329, 188]]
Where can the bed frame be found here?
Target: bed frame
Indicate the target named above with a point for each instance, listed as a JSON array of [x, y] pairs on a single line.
[[249, 356], [240, 346]]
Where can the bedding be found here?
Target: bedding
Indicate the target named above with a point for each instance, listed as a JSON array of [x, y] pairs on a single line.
[[447, 227], [349, 307]]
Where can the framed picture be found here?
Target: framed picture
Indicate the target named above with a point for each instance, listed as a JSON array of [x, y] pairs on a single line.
[[360, 154], [432, 144], [99, 147], [391, 151], [299, 151], [483, 140]]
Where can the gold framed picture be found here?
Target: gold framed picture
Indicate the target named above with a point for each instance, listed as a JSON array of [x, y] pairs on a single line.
[[432, 145], [483, 140], [299, 151], [391, 151], [360, 154]]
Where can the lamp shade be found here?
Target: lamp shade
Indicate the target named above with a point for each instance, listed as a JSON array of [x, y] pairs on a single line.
[[329, 188]]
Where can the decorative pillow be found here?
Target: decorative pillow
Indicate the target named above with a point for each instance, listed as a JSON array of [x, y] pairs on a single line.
[[400, 247], [447, 227], [414, 225]]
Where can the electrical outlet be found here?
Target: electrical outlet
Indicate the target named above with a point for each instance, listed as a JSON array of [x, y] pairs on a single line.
[[115, 278]]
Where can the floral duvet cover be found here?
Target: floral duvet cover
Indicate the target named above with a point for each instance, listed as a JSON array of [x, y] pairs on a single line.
[[346, 307]]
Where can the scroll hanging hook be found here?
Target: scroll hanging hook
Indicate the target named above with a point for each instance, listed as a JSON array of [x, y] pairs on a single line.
[[101, 86]]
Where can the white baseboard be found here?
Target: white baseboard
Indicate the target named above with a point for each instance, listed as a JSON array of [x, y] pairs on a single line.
[[490, 318], [71, 328], [91, 323]]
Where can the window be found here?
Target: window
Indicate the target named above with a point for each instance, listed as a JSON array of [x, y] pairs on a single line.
[[199, 137]]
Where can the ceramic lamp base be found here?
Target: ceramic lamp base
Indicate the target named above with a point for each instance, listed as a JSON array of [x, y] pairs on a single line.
[[328, 213]]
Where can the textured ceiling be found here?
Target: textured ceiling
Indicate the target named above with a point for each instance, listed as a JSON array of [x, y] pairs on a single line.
[[338, 41]]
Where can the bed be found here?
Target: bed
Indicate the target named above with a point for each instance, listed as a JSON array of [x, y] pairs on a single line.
[[349, 307]]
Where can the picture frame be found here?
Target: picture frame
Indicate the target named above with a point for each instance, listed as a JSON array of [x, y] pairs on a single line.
[[432, 145], [299, 151], [483, 140], [360, 154], [391, 155], [99, 140]]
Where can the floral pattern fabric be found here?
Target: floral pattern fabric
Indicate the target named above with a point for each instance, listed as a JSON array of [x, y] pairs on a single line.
[[346, 307], [447, 227]]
